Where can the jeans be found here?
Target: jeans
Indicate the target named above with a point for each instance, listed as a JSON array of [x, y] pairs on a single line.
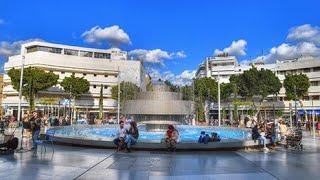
[[35, 136], [262, 140], [130, 140], [118, 142]]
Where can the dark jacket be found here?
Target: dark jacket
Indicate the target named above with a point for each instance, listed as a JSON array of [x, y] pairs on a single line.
[[35, 124], [133, 132]]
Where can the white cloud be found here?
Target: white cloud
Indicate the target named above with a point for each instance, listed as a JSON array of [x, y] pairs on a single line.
[[236, 48], [181, 54], [113, 35], [303, 40], [305, 33], [9, 49], [185, 78], [155, 55]]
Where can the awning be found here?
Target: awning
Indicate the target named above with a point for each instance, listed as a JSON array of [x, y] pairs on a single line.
[[309, 112]]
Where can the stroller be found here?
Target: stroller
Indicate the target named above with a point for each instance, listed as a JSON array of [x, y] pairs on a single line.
[[10, 144], [295, 140]]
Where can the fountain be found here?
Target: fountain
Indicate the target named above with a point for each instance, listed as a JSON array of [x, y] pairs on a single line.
[[159, 107]]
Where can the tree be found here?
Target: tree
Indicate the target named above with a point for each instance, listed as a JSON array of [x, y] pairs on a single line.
[[101, 114], [34, 80], [187, 93], [268, 84], [173, 88], [226, 90], [76, 86], [296, 85], [128, 91], [204, 89]]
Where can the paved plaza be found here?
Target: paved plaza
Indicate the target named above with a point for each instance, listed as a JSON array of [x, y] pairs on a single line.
[[91, 163]]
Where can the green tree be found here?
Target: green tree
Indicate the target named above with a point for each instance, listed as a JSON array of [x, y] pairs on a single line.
[[128, 91], [34, 80], [204, 89], [296, 85], [101, 114], [172, 87], [268, 84], [75, 86], [226, 90], [187, 93]]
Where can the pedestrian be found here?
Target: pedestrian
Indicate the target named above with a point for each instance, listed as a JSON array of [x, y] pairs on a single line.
[[35, 122], [26, 131], [131, 136]]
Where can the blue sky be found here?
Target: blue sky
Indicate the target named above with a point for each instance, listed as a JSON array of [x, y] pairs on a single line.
[[172, 36]]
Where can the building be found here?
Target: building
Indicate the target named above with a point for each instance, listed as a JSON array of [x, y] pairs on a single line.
[[98, 66], [1, 95], [224, 66]]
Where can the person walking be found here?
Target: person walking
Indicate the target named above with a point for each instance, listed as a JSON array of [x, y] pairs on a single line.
[[132, 135], [35, 122]]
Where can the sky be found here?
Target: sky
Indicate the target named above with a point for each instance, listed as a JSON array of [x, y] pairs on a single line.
[[172, 37]]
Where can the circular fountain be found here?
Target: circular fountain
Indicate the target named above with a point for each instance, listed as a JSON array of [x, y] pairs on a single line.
[[159, 107]]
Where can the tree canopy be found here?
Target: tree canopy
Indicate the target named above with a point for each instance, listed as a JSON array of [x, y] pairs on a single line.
[[34, 80], [206, 89], [255, 82], [128, 91], [76, 86], [296, 85]]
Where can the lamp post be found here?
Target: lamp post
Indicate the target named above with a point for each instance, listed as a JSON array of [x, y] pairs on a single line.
[[20, 97], [118, 115], [219, 116], [313, 116]]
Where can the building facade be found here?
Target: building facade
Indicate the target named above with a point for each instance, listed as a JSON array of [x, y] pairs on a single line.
[[224, 66], [98, 66]]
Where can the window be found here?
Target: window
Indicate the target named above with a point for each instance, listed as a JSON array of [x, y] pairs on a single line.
[[73, 73], [314, 83], [94, 75], [115, 76], [102, 55], [84, 74], [106, 75], [94, 86], [43, 48], [306, 70], [71, 52], [62, 72], [51, 71], [86, 54], [106, 87], [316, 69]]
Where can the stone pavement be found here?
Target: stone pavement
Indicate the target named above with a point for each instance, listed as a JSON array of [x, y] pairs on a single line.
[[90, 163]]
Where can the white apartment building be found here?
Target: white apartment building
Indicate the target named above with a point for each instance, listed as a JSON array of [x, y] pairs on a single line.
[[98, 66], [225, 66]]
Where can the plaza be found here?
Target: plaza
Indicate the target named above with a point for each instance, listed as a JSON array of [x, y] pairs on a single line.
[[73, 162]]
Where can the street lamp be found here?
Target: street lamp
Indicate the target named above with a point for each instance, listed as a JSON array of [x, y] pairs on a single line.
[[118, 115], [219, 116], [20, 96]]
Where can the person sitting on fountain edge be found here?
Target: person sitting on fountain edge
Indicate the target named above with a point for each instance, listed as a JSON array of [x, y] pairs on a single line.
[[204, 138], [121, 135], [171, 138], [215, 137], [132, 135]]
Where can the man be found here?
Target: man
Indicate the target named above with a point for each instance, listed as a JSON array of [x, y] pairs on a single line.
[[121, 134], [35, 122]]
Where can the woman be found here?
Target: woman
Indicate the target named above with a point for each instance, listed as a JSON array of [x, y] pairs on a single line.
[[132, 135], [283, 130], [171, 138], [26, 131]]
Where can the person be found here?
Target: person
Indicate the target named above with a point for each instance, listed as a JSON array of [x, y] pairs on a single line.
[[26, 131], [308, 126], [35, 122], [121, 135], [318, 127], [203, 138], [283, 130], [171, 138], [271, 134], [132, 135], [215, 137]]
